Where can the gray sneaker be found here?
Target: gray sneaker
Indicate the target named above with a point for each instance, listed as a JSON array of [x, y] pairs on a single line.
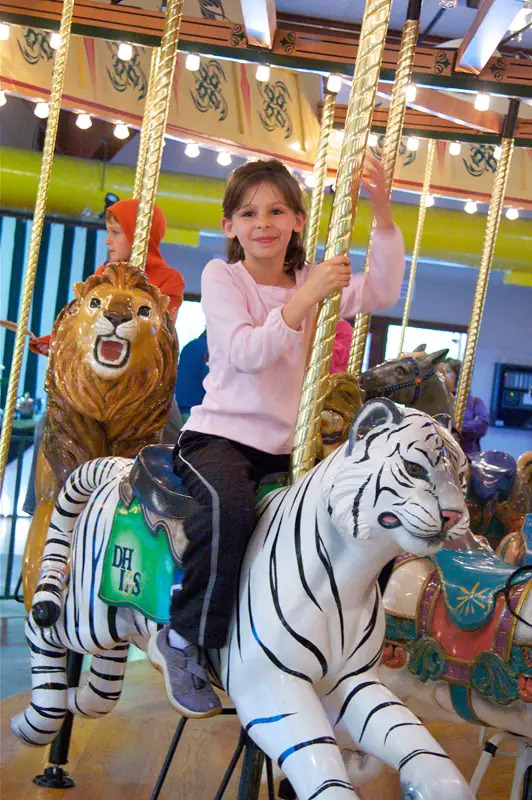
[[186, 681]]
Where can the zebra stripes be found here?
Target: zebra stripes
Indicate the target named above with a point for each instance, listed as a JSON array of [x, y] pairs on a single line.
[[301, 662]]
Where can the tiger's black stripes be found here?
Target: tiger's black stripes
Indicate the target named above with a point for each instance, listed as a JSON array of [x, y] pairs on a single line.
[[329, 785], [380, 489], [404, 761], [359, 671], [370, 627], [356, 506], [295, 747], [267, 720], [352, 694], [303, 641], [402, 725], [326, 561], [376, 710], [273, 658], [299, 557]]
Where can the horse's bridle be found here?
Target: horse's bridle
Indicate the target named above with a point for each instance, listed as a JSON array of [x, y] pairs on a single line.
[[416, 381]]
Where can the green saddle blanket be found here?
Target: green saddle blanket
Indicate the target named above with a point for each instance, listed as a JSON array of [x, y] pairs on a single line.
[[139, 570]]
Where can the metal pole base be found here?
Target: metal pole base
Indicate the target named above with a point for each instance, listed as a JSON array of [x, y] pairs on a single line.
[[54, 778]]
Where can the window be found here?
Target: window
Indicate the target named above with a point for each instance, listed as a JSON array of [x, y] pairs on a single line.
[[190, 322], [433, 338]]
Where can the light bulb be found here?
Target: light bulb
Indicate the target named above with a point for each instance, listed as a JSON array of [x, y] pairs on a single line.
[[455, 148], [224, 158], [121, 131], [83, 121], [192, 62], [373, 140], [470, 207], [334, 83], [482, 102], [512, 213], [429, 200], [42, 109], [4, 32], [192, 150], [125, 51], [263, 73], [411, 92], [497, 152], [412, 143], [310, 180], [55, 40], [3, 98]]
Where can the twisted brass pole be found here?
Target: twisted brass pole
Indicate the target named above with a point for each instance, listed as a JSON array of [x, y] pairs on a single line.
[[56, 91], [431, 149], [390, 150], [490, 239], [146, 120], [162, 93], [320, 173], [358, 121]]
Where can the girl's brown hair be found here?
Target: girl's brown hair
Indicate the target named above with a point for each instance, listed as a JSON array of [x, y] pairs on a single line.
[[252, 174]]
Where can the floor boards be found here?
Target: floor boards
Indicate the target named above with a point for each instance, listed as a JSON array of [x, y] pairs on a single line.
[[119, 757]]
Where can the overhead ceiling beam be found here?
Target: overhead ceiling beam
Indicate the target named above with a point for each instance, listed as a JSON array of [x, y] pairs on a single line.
[[445, 106], [491, 22], [260, 21]]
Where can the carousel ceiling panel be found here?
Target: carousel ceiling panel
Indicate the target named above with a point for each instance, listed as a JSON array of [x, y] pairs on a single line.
[[447, 24]]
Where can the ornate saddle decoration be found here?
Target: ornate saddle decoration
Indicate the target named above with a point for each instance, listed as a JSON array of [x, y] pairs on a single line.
[[463, 631]]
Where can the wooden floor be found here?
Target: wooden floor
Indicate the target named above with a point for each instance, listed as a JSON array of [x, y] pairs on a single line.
[[119, 757]]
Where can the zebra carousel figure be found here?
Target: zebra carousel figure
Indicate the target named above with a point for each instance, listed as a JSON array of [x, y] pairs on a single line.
[[301, 662]]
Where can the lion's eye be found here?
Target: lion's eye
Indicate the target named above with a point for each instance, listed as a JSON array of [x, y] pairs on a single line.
[[95, 303], [144, 311], [416, 470]]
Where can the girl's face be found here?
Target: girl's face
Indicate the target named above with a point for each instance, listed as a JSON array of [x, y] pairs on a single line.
[[263, 224]]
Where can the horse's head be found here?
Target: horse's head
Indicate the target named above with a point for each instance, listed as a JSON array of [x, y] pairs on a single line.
[[398, 476], [403, 380]]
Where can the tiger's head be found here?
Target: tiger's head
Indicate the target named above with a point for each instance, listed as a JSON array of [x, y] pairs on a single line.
[[400, 475]]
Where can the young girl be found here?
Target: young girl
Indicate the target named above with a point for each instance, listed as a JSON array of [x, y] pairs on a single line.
[[259, 307]]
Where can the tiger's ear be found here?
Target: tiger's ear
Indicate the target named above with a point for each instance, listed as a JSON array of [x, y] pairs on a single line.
[[379, 411], [445, 420]]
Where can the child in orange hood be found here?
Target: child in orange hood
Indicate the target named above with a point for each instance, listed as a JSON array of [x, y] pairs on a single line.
[[120, 224]]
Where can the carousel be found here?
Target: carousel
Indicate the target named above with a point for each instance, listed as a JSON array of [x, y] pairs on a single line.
[[381, 645]]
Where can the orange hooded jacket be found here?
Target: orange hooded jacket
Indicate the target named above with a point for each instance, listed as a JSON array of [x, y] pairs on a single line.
[[168, 280]]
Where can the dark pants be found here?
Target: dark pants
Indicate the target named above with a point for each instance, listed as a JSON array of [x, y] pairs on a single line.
[[223, 477]]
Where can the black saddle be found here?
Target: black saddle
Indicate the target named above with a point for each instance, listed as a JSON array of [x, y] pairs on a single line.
[[153, 482], [155, 485]]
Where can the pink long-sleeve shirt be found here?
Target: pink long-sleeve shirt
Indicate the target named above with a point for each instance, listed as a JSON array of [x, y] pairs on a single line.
[[256, 362]]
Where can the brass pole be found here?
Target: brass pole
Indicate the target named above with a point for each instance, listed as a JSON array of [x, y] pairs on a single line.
[[390, 150], [431, 149], [490, 238], [54, 102], [161, 102], [320, 173], [358, 120], [146, 119]]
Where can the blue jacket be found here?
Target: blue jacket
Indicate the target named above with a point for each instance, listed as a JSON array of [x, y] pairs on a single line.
[[191, 373]]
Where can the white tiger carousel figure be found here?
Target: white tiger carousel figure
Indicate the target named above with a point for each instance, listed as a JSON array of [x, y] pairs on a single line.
[[301, 662]]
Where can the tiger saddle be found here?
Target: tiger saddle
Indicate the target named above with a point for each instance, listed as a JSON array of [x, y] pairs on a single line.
[[147, 537]]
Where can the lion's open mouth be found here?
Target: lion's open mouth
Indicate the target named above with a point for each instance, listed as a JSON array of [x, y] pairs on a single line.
[[110, 351]]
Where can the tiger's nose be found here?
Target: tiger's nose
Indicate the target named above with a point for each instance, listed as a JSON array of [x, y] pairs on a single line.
[[450, 518], [116, 318]]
